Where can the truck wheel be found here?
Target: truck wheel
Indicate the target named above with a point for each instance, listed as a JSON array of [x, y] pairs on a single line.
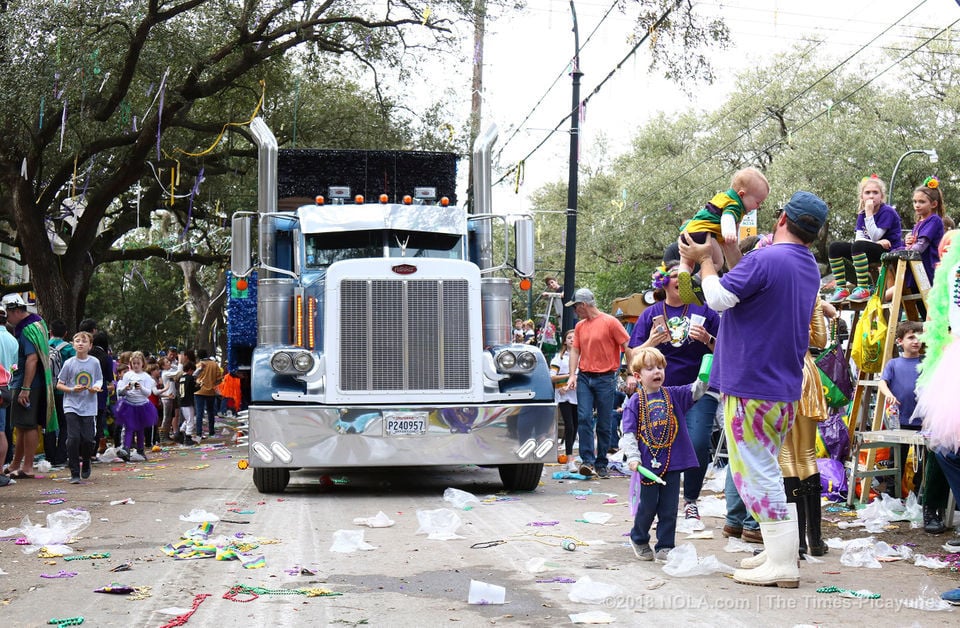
[[271, 480], [520, 477]]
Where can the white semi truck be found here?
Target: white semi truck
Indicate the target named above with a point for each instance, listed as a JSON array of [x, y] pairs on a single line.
[[377, 331]]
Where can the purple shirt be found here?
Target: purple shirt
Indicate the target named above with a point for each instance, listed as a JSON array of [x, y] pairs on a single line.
[[683, 354], [931, 229], [901, 377], [681, 454], [759, 354], [885, 218]]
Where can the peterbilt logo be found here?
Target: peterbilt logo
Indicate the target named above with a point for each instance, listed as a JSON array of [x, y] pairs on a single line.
[[404, 269]]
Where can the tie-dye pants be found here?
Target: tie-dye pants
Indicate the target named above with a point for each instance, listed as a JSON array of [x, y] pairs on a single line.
[[755, 430]]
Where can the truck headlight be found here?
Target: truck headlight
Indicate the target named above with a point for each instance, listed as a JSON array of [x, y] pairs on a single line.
[[281, 362], [303, 361], [526, 361], [521, 362], [292, 362], [506, 361]]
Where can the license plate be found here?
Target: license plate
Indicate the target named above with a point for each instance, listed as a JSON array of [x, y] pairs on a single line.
[[405, 423]]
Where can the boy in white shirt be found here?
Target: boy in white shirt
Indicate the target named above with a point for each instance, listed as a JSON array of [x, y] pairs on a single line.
[[80, 380]]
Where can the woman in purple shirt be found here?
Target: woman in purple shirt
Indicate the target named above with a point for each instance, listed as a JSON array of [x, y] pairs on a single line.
[[878, 231]]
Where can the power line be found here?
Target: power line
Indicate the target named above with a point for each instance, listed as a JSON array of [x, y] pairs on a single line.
[[801, 93], [556, 128], [554, 83], [583, 102], [819, 114]]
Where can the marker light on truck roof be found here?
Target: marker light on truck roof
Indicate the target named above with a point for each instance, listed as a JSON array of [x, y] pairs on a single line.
[[358, 199], [320, 200], [444, 202], [384, 199], [407, 199]]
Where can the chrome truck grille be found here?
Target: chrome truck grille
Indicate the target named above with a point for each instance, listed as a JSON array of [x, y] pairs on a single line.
[[404, 335]]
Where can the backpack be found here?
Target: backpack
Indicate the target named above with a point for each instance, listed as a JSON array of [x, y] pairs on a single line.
[[56, 360]]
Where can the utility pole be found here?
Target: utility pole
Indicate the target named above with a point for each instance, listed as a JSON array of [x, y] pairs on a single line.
[[476, 86], [570, 264]]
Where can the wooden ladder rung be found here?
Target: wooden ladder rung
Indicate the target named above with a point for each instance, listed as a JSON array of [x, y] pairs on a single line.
[[868, 387]]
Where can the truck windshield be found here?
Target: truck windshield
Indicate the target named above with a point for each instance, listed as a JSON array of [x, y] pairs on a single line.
[[323, 249]]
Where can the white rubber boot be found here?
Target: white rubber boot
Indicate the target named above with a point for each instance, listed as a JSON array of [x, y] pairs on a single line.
[[758, 559], [781, 543], [754, 561]]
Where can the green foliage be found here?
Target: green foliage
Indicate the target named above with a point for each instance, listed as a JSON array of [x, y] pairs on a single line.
[[142, 305], [111, 106], [804, 125]]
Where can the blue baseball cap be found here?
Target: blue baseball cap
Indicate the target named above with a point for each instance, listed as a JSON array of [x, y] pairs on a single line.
[[806, 204]]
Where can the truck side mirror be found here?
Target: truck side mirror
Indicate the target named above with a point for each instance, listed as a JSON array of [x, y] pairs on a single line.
[[523, 235], [240, 260]]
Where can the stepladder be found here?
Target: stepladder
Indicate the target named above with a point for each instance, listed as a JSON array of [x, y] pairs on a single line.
[[554, 307], [908, 300]]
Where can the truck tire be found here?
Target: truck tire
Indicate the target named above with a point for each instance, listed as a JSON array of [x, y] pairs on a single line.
[[271, 480], [520, 477]]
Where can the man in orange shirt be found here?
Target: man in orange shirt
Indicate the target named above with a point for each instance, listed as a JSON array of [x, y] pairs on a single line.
[[594, 359]]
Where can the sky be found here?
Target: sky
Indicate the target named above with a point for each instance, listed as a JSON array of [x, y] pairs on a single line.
[[527, 88]]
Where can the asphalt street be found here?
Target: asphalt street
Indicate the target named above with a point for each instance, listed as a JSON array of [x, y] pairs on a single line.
[[274, 563]]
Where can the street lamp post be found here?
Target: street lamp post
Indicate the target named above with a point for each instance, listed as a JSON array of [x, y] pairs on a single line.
[[929, 152], [570, 264]]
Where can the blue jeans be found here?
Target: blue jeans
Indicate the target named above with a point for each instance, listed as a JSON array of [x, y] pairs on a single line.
[[737, 515], [950, 465], [660, 501], [210, 403], [595, 392], [700, 420]]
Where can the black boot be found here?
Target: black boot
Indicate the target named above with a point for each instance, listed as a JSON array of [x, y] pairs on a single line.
[[812, 497], [794, 489], [932, 522]]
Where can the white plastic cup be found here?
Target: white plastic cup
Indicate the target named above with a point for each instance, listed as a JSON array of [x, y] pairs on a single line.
[[697, 319]]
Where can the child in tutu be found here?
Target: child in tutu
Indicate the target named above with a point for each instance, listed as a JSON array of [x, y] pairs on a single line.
[[134, 411]]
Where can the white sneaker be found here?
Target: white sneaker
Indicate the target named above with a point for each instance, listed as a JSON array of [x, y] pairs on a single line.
[[573, 466], [136, 457]]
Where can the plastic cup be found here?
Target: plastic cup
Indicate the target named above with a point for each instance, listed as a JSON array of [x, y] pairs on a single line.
[[697, 319]]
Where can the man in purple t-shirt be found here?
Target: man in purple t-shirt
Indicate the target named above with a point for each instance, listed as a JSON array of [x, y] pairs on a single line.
[[767, 300]]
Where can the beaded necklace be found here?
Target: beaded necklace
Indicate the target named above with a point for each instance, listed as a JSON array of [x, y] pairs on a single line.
[[647, 434]]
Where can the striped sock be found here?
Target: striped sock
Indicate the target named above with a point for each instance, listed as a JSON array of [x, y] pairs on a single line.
[[862, 266], [839, 271]]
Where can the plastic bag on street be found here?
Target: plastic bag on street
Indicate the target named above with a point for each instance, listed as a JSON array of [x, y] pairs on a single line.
[[380, 520], [61, 527], [860, 553], [109, 455], [589, 592], [199, 515], [682, 561], [597, 517], [461, 500], [735, 545], [929, 562], [885, 550], [439, 525], [347, 541]]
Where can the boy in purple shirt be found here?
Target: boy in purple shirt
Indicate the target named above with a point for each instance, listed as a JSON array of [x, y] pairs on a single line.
[[655, 436]]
